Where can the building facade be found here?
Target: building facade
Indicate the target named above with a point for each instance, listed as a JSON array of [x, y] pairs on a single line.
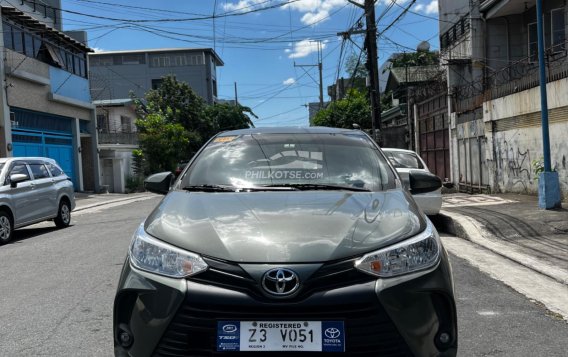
[[117, 74], [490, 50], [46, 107]]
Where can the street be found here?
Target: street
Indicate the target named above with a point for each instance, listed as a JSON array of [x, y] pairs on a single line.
[[58, 288]]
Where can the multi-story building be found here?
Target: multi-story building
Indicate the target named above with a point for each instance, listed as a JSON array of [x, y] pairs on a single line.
[[45, 106], [117, 74], [490, 50]]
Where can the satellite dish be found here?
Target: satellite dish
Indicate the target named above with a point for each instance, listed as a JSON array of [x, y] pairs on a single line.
[[423, 46]]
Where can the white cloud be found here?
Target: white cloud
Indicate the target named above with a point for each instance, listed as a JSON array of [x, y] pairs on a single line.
[[241, 5], [289, 81], [304, 48], [97, 49], [315, 11], [429, 9]]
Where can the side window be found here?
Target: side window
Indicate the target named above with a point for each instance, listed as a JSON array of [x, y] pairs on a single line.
[[55, 171], [19, 169], [39, 171]]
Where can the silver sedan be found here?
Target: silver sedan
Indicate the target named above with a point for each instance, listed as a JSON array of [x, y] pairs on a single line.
[[405, 161]]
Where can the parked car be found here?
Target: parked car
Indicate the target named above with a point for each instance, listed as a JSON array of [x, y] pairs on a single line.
[[291, 239], [405, 161], [34, 189]]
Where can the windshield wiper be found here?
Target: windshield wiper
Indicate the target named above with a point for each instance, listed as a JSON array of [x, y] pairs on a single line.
[[209, 188], [311, 186]]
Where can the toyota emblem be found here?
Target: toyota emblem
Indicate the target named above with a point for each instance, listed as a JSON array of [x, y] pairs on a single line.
[[332, 332], [280, 281]]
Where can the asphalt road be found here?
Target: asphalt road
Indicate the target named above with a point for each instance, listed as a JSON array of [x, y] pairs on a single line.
[[57, 289]]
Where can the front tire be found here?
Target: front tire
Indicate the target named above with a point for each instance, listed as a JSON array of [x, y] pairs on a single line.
[[6, 227], [63, 218]]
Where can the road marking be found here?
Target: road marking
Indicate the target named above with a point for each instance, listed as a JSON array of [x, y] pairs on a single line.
[[104, 206], [476, 200], [531, 284], [488, 313]]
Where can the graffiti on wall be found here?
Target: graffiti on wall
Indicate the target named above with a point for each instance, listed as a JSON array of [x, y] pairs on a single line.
[[514, 170]]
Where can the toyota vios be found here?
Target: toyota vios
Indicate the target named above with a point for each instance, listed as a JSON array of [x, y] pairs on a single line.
[[286, 242]]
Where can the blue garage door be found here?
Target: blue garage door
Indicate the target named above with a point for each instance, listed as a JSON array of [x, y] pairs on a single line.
[[55, 146]]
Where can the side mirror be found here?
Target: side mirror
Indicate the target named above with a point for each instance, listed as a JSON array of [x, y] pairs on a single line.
[[17, 178], [422, 182], [159, 183]]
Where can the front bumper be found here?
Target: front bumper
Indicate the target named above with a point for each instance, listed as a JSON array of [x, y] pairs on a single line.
[[384, 317]]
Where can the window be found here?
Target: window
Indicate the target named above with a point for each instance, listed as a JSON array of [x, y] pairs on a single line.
[[39, 171], [18, 40], [133, 59], [558, 32], [102, 123], [533, 42], [28, 45], [55, 170], [215, 88], [18, 169], [126, 124], [8, 40]]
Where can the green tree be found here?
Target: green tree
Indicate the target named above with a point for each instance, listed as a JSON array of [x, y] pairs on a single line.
[[230, 117], [162, 141], [355, 66], [174, 123], [419, 58], [343, 113]]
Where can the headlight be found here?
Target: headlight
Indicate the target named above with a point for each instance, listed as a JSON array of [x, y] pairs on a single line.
[[414, 254], [149, 254]]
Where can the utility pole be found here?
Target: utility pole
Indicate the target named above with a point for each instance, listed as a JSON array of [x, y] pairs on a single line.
[[236, 98], [372, 66], [548, 183], [320, 67]]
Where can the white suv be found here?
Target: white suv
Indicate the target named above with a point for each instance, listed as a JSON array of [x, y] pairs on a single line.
[[32, 190]]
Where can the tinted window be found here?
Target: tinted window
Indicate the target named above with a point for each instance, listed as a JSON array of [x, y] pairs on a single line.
[[55, 170], [39, 171], [404, 160], [19, 169], [272, 159]]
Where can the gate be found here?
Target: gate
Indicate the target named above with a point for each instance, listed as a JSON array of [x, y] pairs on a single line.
[[433, 135], [55, 146]]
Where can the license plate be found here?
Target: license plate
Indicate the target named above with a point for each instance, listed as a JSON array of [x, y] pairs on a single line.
[[324, 336]]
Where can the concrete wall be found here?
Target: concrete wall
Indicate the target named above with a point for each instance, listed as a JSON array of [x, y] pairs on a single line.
[[516, 138], [29, 84], [451, 11], [513, 155], [114, 117]]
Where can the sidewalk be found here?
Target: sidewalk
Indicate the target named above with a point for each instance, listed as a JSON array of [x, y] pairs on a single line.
[[84, 200], [512, 226]]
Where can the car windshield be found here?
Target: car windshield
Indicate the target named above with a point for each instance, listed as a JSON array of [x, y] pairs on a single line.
[[303, 161], [404, 160]]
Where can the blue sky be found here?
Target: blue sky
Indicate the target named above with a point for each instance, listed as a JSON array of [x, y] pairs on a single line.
[[260, 47]]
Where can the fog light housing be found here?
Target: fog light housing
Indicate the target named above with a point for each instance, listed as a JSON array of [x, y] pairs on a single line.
[[443, 340], [124, 335]]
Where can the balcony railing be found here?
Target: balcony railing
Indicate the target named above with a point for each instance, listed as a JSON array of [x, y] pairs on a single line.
[[118, 138]]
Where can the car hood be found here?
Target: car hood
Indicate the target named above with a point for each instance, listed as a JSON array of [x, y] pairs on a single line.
[[284, 227]]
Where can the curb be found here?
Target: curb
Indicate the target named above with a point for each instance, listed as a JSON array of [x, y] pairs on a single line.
[[469, 229], [111, 201]]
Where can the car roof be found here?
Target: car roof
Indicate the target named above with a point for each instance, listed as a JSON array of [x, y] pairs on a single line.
[[291, 130], [400, 150], [26, 158]]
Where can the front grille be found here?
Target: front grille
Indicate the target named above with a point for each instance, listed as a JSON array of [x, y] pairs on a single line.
[[369, 331], [331, 275]]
